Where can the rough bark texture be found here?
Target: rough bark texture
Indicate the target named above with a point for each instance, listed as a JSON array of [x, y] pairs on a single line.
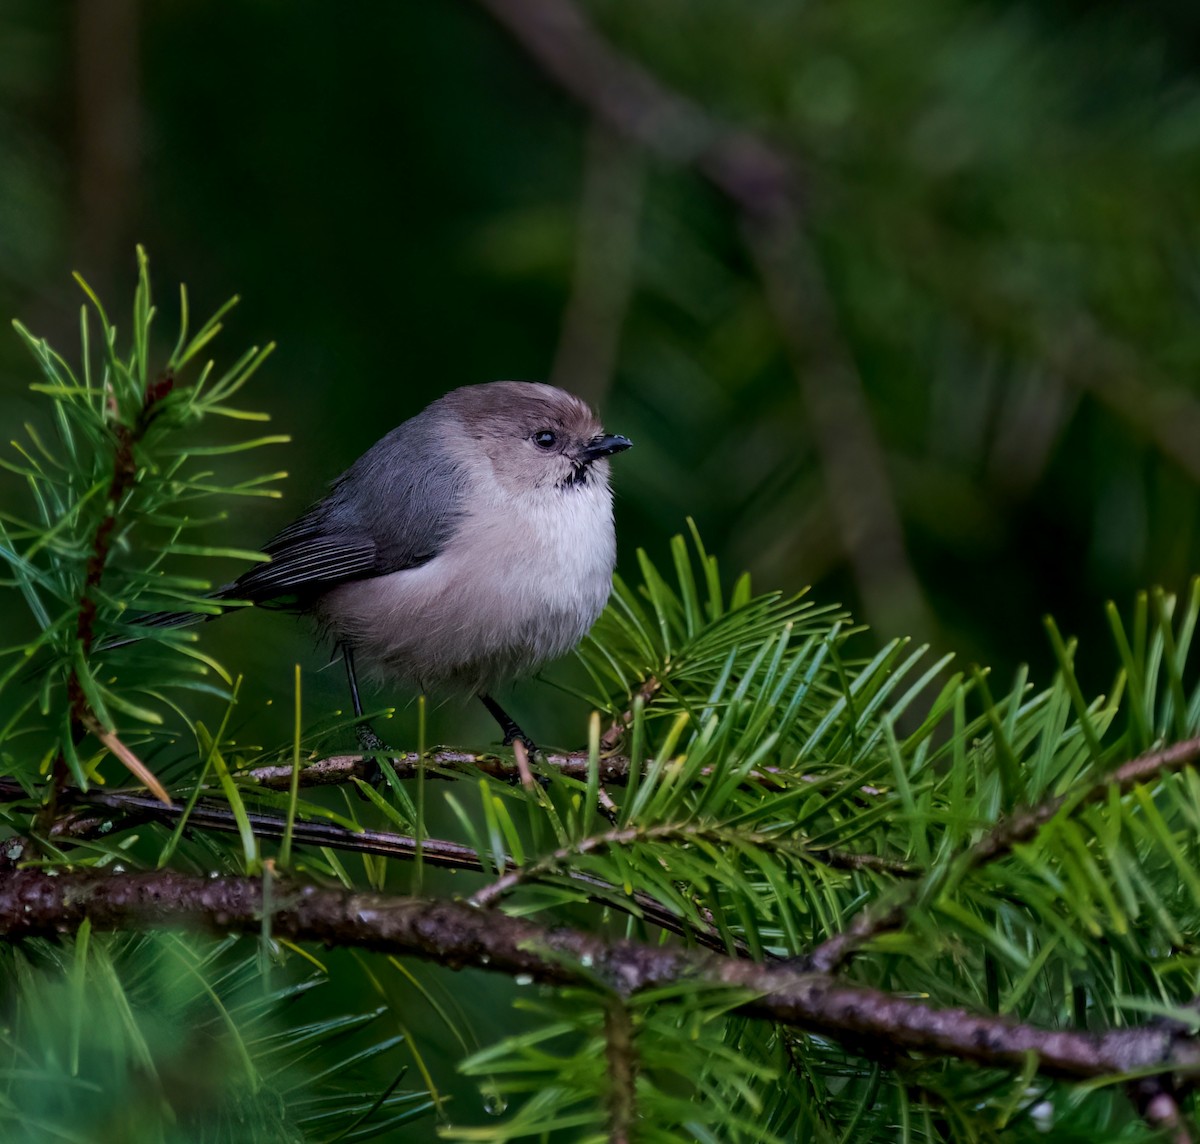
[[34, 903]]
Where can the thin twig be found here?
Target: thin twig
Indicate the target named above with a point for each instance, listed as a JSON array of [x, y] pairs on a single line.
[[124, 474], [445, 764], [211, 816], [611, 738], [685, 832]]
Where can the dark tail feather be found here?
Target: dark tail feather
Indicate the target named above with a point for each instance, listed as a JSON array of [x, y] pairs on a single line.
[[175, 619], [149, 620], [171, 620]]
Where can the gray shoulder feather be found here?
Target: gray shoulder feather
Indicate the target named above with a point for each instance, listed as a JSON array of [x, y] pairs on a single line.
[[394, 508]]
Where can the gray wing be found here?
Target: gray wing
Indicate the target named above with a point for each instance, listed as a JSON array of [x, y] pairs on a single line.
[[394, 508]]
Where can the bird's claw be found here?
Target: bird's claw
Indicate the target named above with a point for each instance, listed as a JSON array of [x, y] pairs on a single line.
[[372, 745]]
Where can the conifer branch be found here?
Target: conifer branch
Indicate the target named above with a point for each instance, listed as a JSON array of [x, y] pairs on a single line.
[[1019, 827], [445, 763], [124, 474], [34, 903], [684, 833], [131, 809]]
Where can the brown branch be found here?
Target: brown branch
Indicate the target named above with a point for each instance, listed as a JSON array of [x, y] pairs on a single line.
[[1019, 827], [441, 764], [635, 105], [208, 816], [133, 809], [878, 918], [646, 693], [34, 903], [1022, 825], [124, 473]]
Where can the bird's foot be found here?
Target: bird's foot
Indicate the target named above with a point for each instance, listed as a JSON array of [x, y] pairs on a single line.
[[508, 725], [516, 735], [372, 745]]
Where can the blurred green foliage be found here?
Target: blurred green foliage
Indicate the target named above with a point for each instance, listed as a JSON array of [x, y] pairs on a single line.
[[1001, 198]]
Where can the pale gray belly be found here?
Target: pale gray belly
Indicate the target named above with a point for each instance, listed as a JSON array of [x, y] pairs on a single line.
[[477, 615]]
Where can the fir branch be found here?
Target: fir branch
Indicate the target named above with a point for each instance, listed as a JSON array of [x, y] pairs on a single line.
[[132, 809], [1023, 825], [204, 815], [126, 439], [614, 770], [684, 832], [611, 738], [1019, 827], [124, 473], [34, 903]]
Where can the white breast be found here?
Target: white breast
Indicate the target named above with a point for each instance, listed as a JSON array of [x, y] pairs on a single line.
[[521, 582]]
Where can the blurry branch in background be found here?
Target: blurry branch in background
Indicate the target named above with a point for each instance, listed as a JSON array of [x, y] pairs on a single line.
[[765, 187], [852, 460], [109, 133], [1162, 412], [605, 253], [621, 1051]]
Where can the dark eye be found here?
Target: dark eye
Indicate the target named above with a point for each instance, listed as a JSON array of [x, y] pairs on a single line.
[[544, 439]]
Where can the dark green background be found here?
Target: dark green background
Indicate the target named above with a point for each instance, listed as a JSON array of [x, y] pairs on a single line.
[[1001, 198]]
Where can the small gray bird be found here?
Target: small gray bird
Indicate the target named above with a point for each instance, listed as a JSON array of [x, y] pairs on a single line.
[[469, 546]]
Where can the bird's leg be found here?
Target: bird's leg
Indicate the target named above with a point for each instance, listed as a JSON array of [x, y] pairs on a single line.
[[368, 740], [508, 724]]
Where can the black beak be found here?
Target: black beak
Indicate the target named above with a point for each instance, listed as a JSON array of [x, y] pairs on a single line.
[[599, 447]]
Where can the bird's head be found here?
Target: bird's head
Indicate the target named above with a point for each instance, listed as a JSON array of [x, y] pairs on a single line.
[[535, 436]]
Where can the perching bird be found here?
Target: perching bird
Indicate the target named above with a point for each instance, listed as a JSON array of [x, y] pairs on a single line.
[[469, 546]]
